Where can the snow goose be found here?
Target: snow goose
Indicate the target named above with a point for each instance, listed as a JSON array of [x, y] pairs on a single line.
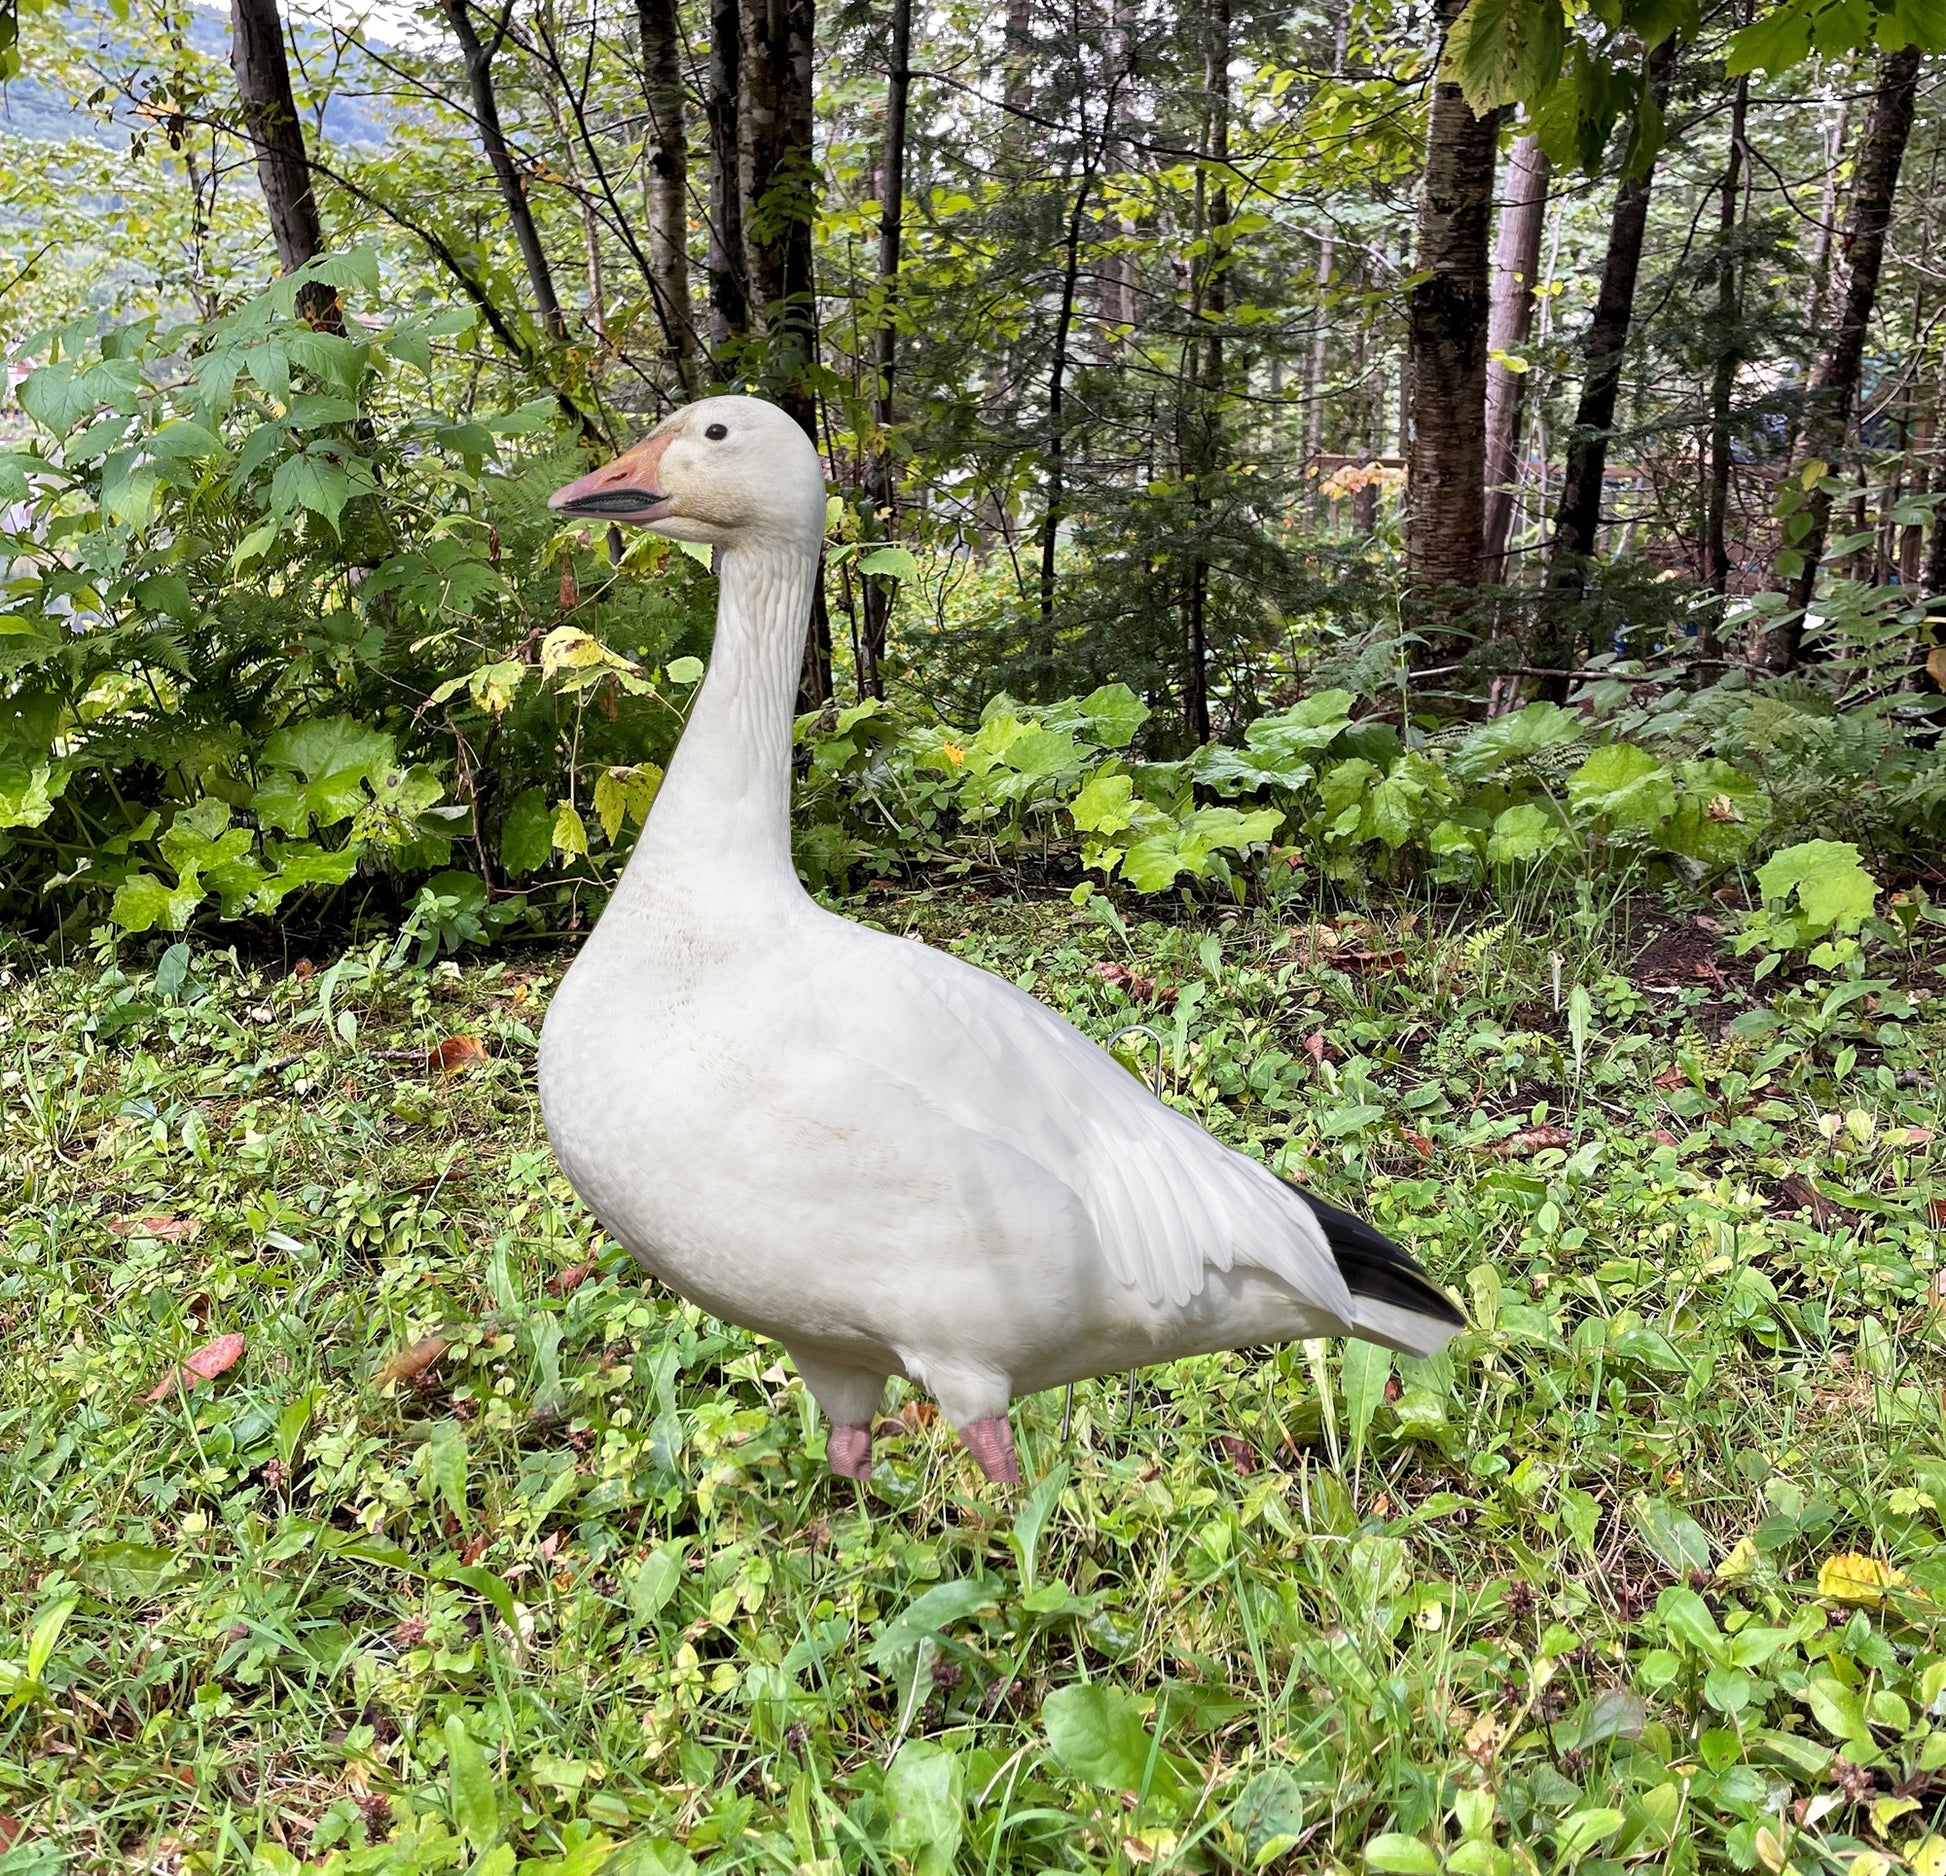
[[886, 1159]]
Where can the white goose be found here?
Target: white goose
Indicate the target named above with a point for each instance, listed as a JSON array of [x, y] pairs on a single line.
[[886, 1159]]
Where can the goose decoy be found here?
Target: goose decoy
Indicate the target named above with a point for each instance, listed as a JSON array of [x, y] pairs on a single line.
[[886, 1159]]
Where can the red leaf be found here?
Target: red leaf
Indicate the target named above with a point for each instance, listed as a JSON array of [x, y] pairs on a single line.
[[12, 1830], [410, 1363], [170, 1229], [1529, 1140], [1239, 1452], [566, 1282], [205, 1365], [455, 1053]]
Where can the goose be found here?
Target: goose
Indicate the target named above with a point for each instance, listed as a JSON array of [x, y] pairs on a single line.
[[877, 1154]]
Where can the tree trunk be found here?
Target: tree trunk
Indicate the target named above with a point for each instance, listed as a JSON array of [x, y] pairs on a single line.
[[1206, 398], [668, 188], [1832, 394], [1723, 379], [729, 299], [270, 120], [1057, 378], [478, 57], [880, 589], [1446, 322], [778, 199], [1516, 276], [1315, 373]]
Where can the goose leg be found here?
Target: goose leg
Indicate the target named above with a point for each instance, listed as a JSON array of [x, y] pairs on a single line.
[[849, 1397], [991, 1442]]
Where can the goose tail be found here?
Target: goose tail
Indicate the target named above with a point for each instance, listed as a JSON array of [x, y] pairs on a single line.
[[1393, 1301]]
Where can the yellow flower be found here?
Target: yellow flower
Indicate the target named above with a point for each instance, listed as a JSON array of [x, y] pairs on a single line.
[[953, 753]]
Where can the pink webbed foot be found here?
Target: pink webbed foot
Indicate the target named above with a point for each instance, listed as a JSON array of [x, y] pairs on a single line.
[[849, 1449], [991, 1442]]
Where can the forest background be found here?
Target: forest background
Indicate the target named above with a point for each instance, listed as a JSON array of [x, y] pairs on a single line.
[[1231, 418]]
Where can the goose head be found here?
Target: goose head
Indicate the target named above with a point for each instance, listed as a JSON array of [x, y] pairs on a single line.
[[731, 471]]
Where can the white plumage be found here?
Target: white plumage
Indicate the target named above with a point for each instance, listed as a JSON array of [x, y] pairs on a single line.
[[892, 1162]]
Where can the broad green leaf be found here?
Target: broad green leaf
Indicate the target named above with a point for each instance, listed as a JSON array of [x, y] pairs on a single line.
[[925, 1806], [1102, 806], [1363, 1370], [27, 795], [476, 1808], [931, 1613], [1398, 1855], [1098, 1736], [1522, 834], [655, 1582], [1829, 881], [1673, 1535], [1582, 1830], [527, 834], [45, 1638], [1114, 713], [1624, 787], [893, 563], [1031, 1520], [445, 1465], [143, 903]]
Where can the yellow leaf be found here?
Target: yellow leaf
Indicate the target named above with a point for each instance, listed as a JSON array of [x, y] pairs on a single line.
[[1857, 1582], [1739, 1563], [1770, 1853], [611, 802], [1885, 1813], [570, 833], [1927, 1855]]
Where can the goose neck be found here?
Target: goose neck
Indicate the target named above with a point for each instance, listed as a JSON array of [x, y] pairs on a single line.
[[723, 813]]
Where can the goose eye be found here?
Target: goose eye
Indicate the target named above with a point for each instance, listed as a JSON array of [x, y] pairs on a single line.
[[717, 432]]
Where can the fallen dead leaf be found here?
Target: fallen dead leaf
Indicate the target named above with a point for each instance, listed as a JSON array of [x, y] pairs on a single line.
[[566, 1282], [1672, 1078], [12, 1830], [455, 1053], [1936, 1211], [170, 1229], [303, 969], [1909, 1136], [1527, 1141], [473, 1549], [1936, 665], [1663, 1137], [1142, 989], [204, 1365], [410, 1363], [1807, 1198], [1239, 1452], [1419, 1144], [1314, 1045]]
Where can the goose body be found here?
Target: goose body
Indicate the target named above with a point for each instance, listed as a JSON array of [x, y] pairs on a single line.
[[888, 1160]]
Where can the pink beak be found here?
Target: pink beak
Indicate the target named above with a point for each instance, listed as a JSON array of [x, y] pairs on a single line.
[[623, 490]]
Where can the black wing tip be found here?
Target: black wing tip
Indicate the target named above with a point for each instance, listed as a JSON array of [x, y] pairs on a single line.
[[1374, 1267]]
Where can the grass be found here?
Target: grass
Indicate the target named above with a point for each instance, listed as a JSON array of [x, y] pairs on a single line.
[[483, 1556]]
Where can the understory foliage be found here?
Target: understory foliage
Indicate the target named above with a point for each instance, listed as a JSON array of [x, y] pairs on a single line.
[[365, 1511], [277, 648]]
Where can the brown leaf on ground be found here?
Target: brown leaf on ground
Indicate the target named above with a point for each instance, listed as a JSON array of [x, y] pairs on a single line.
[[303, 969], [455, 1053], [170, 1229], [1373, 960], [1663, 1137], [1419, 1144], [1142, 989], [205, 1365], [410, 1363], [1671, 1078], [473, 1549], [1528, 1141], [1314, 1045], [12, 1831], [1936, 1211], [1797, 1190], [566, 1282], [1239, 1452]]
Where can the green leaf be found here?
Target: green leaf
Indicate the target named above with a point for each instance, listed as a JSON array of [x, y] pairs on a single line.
[[1673, 1535], [45, 1637], [1031, 1520], [1114, 713], [326, 767], [1829, 881], [1839, 1709], [126, 1572], [655, 1582], [143, 903], [27, 795], [476, 1810], [1102, 806], [1098, 1736], [527, 834], [925, 1806], [445, 1465], [1521, 835], [685, 671], [1401, 1856], [1581, 1830], [1363, 1370], [930, 1614], [892, 563], [1774, 43], [1624, 787]]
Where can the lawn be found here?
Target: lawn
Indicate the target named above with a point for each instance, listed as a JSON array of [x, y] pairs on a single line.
[[478, 1554]]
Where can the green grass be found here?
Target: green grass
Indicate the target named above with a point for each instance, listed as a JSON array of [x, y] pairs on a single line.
[[581, 1595]]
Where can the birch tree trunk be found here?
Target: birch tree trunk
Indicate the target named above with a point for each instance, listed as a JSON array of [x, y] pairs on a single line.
[[1516, 276], [668, 190], [1446, 322]]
